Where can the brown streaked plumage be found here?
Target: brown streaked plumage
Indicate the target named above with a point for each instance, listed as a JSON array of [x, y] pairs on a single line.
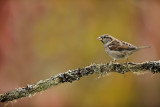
[[118, 49]]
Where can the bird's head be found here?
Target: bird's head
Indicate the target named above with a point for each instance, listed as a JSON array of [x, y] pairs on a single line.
[[105, 39]]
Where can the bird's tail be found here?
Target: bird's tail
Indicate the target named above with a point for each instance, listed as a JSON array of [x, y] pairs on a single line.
[[142, 47]]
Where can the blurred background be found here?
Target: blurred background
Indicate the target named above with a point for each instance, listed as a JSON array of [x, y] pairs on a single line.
[[41, 38]]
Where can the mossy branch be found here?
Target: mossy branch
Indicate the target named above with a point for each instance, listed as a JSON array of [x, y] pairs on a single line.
[[72, 75]]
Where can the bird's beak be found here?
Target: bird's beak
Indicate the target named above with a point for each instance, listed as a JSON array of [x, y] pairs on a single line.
[[99, 38]]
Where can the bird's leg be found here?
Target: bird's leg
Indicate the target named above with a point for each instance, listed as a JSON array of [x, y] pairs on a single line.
[[127, 61], [126, 66]]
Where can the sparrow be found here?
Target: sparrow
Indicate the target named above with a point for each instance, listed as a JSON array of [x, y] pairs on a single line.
[[118, 49]]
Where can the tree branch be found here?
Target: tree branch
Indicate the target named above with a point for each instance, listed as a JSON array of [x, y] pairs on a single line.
[[70, 76]]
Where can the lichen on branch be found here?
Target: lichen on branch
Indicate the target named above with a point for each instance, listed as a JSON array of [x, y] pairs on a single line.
[[73, 75]]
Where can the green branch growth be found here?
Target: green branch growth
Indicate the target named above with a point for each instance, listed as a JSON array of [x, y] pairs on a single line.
[[74, 75]]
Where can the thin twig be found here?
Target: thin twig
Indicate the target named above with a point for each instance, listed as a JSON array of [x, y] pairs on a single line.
[[70, 76]]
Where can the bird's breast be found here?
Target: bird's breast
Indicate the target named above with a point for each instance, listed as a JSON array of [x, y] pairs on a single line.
[[117, 54]]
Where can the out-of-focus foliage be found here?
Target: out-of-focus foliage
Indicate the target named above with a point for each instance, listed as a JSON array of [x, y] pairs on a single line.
[[40, 38]]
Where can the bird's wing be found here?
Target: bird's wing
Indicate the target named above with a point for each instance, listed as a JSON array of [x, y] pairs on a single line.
[[120, 46]]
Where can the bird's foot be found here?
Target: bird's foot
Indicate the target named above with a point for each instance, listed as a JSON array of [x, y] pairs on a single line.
[[112, 62]]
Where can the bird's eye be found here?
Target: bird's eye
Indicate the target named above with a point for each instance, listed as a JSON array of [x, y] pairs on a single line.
[[107, 37], [104, 37]]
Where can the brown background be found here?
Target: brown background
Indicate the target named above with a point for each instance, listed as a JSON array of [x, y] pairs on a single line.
[[40, 38]]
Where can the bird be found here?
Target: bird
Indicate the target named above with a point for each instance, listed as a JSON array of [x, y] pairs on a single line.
[[118, 49]]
